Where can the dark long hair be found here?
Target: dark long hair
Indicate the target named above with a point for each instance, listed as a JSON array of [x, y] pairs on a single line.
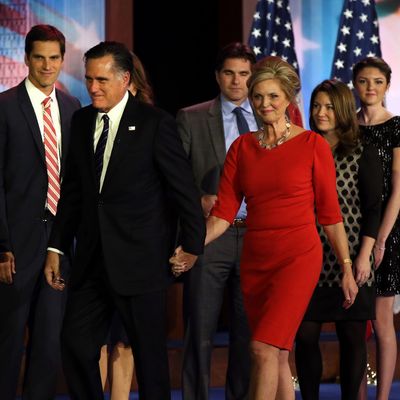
[[344, 106], [140, 80]]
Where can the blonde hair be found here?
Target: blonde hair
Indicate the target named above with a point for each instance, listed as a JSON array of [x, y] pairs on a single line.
[[275, 68]]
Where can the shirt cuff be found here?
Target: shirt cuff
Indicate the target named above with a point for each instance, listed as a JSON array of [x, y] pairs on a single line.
[[55, 250]]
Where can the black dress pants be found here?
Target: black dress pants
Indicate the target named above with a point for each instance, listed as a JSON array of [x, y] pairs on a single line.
[[87, 320]]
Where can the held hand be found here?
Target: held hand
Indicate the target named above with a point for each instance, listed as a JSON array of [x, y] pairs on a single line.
[[7, 267], [379, 252], [350, 289], [207, 203], [181, 261], [52, 271], [362, 269]]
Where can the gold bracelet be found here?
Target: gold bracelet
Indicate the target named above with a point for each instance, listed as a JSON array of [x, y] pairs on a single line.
[[347, 261]]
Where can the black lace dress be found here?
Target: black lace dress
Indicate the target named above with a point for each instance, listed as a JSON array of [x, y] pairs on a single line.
[[385, 137]]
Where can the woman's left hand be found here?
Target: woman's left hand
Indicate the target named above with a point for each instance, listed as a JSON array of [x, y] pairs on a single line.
[[362, 268], [379, 252], [350, 289]]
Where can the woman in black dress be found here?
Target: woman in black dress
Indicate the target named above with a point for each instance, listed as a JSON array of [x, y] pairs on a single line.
[[359, 183], [371, 80]]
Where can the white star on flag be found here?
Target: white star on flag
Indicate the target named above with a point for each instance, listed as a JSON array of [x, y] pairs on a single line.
[[362, 39], [273, 16], [342, 47]]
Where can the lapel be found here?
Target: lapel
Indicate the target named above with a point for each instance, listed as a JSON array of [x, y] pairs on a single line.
[[30, 116], [89, 126], [129, 118], [216, 130], [65, 134]]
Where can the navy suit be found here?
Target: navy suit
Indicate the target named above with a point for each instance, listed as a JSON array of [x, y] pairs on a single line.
[[124, 236], [24, 231]]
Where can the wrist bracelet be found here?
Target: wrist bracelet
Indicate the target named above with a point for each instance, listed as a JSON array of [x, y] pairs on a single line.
[[347, 261]]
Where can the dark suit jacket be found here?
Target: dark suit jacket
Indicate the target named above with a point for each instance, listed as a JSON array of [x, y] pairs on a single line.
[[23, 176], [130, 218]]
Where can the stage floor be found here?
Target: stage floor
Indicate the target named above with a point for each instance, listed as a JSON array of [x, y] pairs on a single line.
[[328, 391]]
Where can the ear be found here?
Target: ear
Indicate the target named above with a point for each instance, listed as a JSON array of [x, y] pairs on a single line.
[[26, 60], [217, 77], [126, 77]]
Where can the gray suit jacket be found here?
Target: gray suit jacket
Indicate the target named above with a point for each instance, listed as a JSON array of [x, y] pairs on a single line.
[[202, 132]]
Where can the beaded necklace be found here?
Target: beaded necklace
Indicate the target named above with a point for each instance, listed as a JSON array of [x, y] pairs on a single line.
[[282, 139]]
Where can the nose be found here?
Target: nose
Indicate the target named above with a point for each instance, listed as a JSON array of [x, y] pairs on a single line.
[[91, 86], [235, 78], [46, 63], [265, 101]]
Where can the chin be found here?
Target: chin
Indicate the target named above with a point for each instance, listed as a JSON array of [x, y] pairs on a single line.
[[98, 105]]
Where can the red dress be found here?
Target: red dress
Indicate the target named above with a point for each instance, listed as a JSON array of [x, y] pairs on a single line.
[[282, 254]]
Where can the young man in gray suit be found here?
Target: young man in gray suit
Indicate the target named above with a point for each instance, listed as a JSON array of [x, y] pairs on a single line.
[[207, 130], [34, 137]]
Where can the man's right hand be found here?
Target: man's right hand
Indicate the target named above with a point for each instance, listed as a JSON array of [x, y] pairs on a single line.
[[52, 271], [207, 203], [7, 267]]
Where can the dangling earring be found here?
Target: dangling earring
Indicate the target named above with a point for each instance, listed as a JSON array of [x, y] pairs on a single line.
[[287, 119]]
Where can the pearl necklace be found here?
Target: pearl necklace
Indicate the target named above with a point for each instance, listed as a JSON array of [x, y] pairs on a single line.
[[282, 139]]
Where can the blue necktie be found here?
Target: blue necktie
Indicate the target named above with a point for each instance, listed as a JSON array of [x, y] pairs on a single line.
[[242, 124], [101, 145]]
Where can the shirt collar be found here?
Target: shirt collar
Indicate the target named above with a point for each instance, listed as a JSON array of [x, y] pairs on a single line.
[[36, 94], [227, 106], [116, 112]]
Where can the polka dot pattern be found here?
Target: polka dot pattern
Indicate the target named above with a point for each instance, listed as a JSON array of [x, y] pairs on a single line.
[[349, 200]]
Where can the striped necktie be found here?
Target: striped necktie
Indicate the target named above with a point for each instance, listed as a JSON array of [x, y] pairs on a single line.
[[101, 146], [51, 156]]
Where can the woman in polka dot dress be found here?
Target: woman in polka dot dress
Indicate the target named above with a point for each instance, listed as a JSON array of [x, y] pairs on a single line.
[[359, 182]]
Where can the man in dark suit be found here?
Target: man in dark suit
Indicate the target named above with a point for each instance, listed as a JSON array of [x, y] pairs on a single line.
[[126, 171], [207, 130], [26, 214]]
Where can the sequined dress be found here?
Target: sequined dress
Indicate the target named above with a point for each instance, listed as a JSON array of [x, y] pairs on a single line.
[[385, 137], [359, 188]]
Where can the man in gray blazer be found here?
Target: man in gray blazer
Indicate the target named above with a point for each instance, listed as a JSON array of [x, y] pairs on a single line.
[[27, 206], [207, 130]]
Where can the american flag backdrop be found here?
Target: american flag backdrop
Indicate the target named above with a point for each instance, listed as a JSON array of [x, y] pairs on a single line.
[[358, 37], [272, 35], [272, 31], [82, 23]]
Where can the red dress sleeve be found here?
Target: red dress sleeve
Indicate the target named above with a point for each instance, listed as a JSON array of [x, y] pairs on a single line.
[[229, 194], [324, 180]]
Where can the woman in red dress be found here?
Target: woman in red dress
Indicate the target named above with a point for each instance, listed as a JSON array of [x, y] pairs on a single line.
[[285, 174]]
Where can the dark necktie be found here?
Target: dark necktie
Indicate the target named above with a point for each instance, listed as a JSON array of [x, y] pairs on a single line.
[[101, 145], [242, 124]]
